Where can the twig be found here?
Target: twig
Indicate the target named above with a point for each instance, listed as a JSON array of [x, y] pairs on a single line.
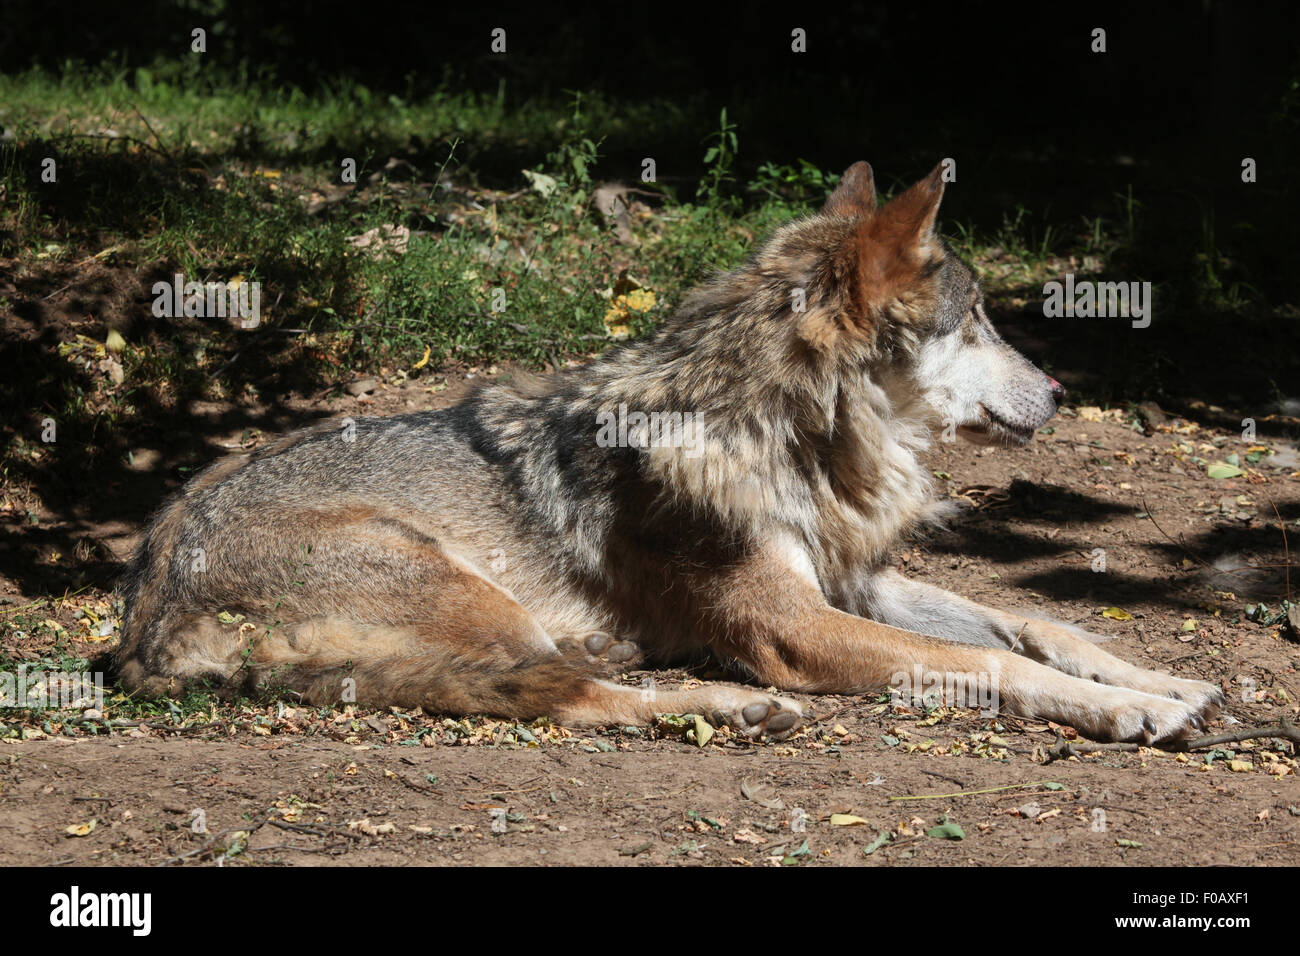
[[931, 773], [288, 846], [1172, 540], [1284, 729], [414, 786], [971, 793], [67, 596], [211, 844], [1063, 748], [1285, 546], [1085, 444], [149, 127], [1196, 557], [1016, 642], [833, 713], [15, 610], [123, 139], [314, 831]]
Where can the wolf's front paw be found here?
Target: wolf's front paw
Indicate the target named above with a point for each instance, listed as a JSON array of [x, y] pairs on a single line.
[[1137, 717], [1206, 699], [756, 714]]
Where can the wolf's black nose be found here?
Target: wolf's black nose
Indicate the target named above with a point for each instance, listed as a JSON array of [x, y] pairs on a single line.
[[1058, 390]]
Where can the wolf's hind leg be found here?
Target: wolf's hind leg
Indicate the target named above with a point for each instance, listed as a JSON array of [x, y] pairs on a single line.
[[601, 647], [382, 615], [440, 681]]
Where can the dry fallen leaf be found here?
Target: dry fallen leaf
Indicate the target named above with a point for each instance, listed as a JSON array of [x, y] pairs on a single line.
[[848, 820], [703, 731], [370, 829]]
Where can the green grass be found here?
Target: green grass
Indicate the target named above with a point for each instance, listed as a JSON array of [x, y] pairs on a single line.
[[174, 169]]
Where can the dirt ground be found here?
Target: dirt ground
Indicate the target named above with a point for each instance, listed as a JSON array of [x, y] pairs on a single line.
[[1033, 528]]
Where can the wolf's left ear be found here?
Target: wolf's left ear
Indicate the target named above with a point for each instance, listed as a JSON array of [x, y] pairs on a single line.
[[856, 193], [915, 211], [884, 258]]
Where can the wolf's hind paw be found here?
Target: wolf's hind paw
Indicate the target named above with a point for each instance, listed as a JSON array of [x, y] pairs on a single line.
[[602, 647]]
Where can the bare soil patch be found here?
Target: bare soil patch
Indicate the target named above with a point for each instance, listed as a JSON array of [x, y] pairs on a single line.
[[1031, 525]]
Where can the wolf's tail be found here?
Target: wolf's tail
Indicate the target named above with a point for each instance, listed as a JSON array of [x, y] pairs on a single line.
[[437, 680]]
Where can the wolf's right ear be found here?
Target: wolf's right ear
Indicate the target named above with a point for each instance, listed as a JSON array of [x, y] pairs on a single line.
[[855, 195]]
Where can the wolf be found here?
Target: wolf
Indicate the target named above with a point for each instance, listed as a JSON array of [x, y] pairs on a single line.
[[496, 557]]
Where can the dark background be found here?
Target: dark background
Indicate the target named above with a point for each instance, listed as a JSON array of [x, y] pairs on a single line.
[[1011, 91], [1192, 86]]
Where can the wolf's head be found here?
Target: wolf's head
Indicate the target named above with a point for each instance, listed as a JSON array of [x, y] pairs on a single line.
[[933, 349]]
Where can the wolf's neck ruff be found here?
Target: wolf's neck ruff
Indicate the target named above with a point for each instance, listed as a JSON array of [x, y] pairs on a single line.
[[796, 370], [792, 428]]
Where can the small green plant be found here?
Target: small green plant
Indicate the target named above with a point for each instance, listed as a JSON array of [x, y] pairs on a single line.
[[571, 162], [720, 158], [801, 183]]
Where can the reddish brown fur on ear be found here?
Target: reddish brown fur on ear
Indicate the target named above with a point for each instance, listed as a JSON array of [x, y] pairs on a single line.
[[912, 213], [886, 257], [855, 195]]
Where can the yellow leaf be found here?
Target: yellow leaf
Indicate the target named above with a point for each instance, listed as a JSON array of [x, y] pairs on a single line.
[[1240, 766], [424, 361], [703, 731], [1117, 614], [80, 829], [848, 820], [640, 300]]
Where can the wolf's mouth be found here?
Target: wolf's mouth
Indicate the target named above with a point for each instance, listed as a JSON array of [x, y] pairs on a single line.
[[995, 427]]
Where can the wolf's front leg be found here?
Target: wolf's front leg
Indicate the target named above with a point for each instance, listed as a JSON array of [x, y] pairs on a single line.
[[916, 606], [768, 616]]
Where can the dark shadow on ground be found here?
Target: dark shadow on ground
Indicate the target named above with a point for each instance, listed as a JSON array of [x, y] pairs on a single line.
[[1158, 577]]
